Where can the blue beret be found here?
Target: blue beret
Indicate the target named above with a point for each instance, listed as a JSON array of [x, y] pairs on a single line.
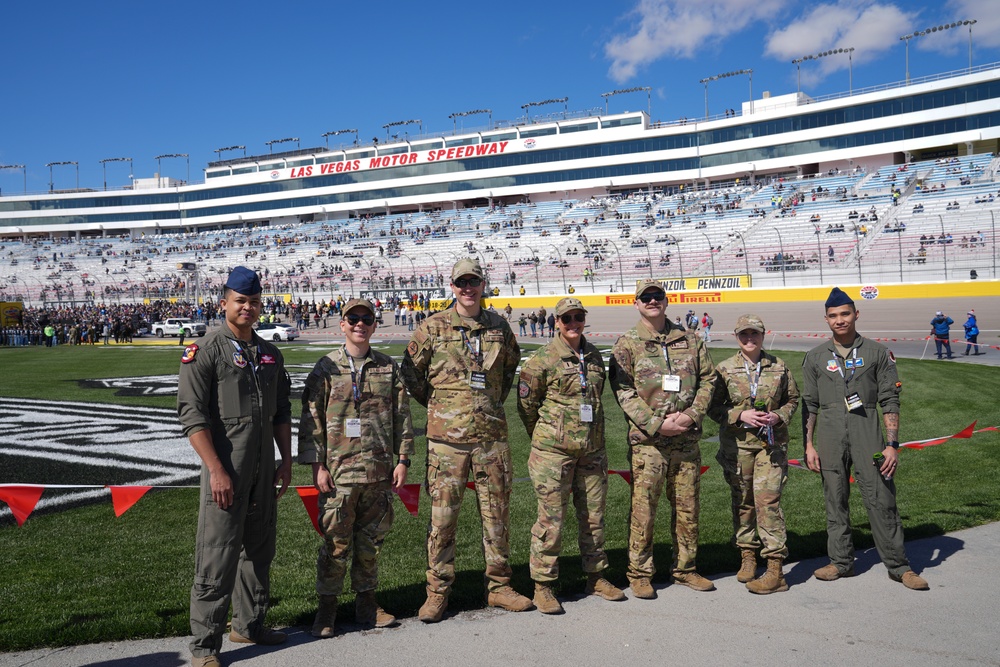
[[244, 281], [838, 298]]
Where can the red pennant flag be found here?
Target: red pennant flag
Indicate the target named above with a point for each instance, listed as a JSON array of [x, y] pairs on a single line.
[[625, 474], [310, 499], [22, 499], [410, 495], [967, 431], [123, 497], [470, 485], [703, 469]]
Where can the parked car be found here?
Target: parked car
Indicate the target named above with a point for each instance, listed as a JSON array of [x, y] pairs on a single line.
[[277, 331]]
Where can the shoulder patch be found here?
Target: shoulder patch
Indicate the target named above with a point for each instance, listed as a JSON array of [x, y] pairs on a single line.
[[892, 357], [411, 349], [189, 353], [523, 389]]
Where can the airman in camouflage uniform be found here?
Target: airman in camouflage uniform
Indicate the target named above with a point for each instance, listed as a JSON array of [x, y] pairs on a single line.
[[755, 398], [355, 417], [663, 379], [460, 364], [559, 401]]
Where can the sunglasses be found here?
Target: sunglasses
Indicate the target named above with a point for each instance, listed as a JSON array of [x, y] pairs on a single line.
[[579, 317], [354, 319], [652, 296], [462, 283]]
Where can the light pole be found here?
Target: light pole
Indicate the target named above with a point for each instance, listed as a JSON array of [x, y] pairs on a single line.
[[557, 100], [637, 89], [850, 64], [746, 260], [461, 114], [270, 144], [781, 249], [220, 151], [726, 75], [509, 268], [413, 267], [159, 173], [819, 255], [944, 247], [24, 173], [398, 123], [437, 271], [57, 164], [857, 247], [104, 166], [938, 28], [535, 260], [621, 276], [711, 252], [326, 135], [680, 258]]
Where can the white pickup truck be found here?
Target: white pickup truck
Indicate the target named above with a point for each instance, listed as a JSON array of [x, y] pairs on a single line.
[[172, 326]]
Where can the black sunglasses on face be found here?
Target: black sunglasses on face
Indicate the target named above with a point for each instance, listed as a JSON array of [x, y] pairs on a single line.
[[354, 319], [462, 283], [652, 296], [579, 317]]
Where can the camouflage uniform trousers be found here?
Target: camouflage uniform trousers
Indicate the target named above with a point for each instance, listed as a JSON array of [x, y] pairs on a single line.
[[355, 520], [676, 470], [555, 475], [448, 469], [756, 478]]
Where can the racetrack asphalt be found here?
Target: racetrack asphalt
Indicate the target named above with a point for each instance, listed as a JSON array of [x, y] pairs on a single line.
[[864, 620]]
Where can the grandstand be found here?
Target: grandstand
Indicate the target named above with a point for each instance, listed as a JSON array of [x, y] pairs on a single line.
[[894, 184]]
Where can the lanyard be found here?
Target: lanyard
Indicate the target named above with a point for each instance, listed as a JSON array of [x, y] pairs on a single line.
[[474, 350], [751, 379], [583, 375], [666, 358], [854, 363], [355, 389]]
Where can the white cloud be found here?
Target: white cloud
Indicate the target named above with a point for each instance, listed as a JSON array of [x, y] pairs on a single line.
[[871, 29], [681, 28]]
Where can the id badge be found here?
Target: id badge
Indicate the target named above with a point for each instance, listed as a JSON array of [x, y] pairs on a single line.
[[586, 413], [352, 427], [477, 380], [853, 402], [671, 383]]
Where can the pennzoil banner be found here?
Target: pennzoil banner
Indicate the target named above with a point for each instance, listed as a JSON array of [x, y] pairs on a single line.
[[703, 283], [10, 313]]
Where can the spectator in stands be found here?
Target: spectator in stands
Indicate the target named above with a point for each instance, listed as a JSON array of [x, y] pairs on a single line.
[[830, 253], [940, 329]]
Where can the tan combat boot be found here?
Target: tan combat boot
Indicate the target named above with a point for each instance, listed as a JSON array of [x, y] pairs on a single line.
[[601, 587], [748, 566], [772, 581], [831, 573], [642, 588], [206, 661], [545, 599], [367, 611], [433, 608], [326, 617], [694, 581], [507, 598]]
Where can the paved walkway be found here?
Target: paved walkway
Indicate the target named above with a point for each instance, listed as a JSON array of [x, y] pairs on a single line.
[[866, 620]]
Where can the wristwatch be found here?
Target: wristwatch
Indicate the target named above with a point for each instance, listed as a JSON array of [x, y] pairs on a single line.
[[407, 462], [893, 443]]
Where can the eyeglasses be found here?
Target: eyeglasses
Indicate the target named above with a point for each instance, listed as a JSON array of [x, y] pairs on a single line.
[[652, 296], [354, 319], [579, 317], [462, 283]]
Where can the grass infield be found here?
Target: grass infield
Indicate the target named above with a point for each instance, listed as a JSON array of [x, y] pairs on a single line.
[[82, 575]]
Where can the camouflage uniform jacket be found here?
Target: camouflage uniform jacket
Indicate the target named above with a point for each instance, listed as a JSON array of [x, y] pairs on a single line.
[[549, 396], [437, 369], [636, 373], [384, 410], [776, 387]]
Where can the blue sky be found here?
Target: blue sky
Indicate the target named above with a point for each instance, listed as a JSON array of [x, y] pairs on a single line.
[[88, 81]]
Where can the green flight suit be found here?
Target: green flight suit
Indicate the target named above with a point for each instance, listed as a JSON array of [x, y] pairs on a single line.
[[845, 438], [238, 392]]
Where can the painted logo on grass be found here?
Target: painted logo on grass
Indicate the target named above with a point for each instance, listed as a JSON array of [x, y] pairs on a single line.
[[164, 385]]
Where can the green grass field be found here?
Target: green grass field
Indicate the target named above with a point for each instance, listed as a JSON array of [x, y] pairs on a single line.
[[83, 575]]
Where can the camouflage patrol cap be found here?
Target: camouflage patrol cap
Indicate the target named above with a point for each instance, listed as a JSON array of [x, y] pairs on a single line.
[[749, 321], [355, 303], [646, 284], [467, 267], [568, 304]]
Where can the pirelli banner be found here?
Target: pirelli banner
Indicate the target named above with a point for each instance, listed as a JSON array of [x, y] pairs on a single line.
[[703, 283]]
